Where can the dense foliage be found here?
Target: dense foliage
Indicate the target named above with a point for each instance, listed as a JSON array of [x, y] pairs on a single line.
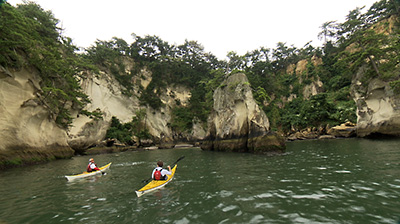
[[368, 38], [30, 37], [125, 132]]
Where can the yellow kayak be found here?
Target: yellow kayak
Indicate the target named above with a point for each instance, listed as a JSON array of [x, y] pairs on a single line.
[[88, 174], [156, 184]]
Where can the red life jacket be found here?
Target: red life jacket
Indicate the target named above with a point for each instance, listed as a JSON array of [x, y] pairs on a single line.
[[157, 175], [88, 169]]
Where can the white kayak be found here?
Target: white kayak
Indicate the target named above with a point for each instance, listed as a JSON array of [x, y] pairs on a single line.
[[88, 174]]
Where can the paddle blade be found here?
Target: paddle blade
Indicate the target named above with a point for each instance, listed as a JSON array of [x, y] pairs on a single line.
[[179, 159]]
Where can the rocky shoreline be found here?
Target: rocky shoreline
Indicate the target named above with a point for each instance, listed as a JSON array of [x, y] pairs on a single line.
[[122, 148], [346, 130]]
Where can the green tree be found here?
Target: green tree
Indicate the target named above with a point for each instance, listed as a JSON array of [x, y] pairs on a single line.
[[181, 120], [149, 48], [138, 125], [236, 62], [369, 39], [328, 30], [121, 132], [34, 37], [317, 110], [291, 115], [30, 37], [283, 56], [124, 132], [261, 96], [106, 51]]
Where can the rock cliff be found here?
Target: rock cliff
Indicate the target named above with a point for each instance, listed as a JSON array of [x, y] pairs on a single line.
[[378, 107], [27, 133], [237, 123], [30, 135], [106, 95]]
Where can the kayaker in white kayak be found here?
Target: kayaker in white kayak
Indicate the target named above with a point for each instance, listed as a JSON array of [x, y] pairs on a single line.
[[159, 173], [92, 166]]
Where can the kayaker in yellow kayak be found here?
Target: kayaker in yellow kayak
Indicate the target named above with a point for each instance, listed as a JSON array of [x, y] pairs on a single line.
[[159, 173]]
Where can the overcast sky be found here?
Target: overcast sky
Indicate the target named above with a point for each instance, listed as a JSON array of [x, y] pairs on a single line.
[[219, 25]]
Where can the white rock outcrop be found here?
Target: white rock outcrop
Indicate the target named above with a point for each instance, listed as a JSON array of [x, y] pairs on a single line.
[[106, 96], [378, 107], [27, 132], [237, 123]]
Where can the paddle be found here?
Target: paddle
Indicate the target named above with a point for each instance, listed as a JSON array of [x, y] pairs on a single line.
[[180, 158], [102, 173]]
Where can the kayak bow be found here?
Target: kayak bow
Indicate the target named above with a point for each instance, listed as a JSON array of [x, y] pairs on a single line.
[[156, 184], [88, 174]]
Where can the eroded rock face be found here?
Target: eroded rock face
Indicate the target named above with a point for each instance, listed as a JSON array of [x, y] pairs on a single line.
[[106, 95], [237, 123], [27, 132], [378, 108]]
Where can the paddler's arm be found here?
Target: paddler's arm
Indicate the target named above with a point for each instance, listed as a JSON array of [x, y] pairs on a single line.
[[170, 171]]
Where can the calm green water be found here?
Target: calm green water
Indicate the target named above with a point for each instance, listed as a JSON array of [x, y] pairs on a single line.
[[325, 181]]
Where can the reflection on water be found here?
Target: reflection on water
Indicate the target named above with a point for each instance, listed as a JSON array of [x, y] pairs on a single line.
[[329, 181]]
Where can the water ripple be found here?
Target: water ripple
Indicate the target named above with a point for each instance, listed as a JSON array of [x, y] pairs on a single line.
[[128, 164], [317, 182], [310, 196]]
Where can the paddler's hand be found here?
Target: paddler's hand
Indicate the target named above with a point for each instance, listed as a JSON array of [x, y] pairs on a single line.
[[169, 167]]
